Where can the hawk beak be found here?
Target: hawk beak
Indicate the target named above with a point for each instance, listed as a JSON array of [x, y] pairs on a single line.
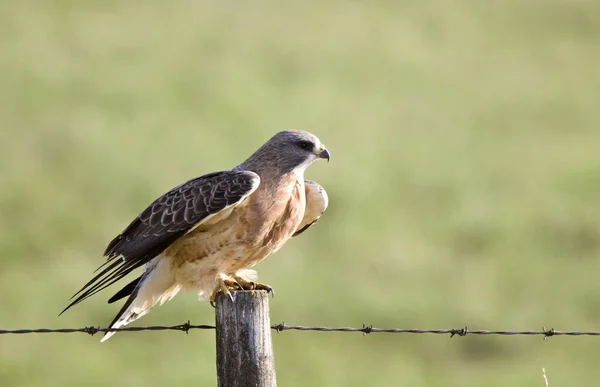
[[323, 154]]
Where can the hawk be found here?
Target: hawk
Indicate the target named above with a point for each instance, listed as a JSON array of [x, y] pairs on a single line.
[[203, 234]]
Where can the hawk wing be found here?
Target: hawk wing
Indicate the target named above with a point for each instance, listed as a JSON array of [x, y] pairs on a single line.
[[165, 220], [316, 204]]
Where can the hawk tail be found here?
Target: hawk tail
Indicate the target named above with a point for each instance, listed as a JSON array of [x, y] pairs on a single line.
[[155, 286]]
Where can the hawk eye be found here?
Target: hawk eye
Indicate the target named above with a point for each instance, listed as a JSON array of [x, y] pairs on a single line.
[[304, 144]]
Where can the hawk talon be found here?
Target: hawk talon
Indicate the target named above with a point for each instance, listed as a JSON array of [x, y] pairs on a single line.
[[213, 298], [229, 295], [223, 286], [238, 285]]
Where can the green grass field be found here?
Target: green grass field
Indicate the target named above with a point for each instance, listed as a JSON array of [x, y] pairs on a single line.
[[464, 182]]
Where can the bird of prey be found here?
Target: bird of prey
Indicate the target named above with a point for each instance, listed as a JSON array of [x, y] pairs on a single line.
[[204, 234]]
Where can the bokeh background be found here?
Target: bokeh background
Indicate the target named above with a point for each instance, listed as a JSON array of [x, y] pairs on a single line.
[[464, 181]]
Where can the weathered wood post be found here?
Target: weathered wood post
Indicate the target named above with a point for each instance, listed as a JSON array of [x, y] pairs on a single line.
[[244, 348]]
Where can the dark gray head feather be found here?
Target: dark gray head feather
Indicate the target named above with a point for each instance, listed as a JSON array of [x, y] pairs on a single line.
[[284, 152]]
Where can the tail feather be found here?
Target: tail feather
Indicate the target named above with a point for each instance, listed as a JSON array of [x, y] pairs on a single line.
[[127, 290], [156, 286]]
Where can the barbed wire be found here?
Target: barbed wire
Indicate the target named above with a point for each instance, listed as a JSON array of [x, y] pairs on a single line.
[[365, 330]]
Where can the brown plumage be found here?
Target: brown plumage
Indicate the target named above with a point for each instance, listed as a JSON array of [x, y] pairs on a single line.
[[203, 234]]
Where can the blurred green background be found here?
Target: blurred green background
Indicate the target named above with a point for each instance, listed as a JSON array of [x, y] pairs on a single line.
[[464, 183]]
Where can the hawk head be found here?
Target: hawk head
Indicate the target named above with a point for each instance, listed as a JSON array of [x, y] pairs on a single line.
[[289, 150]]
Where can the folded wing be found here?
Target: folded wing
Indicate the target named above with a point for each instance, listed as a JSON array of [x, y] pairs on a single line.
[[164, 221]]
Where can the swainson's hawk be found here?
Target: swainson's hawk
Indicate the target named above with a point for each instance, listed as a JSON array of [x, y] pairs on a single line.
[[202, 235]]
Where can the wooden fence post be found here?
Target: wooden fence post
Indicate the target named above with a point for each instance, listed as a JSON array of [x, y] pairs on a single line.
[[244, 348]]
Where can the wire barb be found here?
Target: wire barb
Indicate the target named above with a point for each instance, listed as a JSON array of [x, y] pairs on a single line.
[[461, 332], [92, 330], [279, 327], [186, 327], [548, 333]]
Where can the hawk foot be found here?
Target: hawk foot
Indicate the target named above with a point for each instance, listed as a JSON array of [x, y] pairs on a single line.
[[237, 283], [250, 285]]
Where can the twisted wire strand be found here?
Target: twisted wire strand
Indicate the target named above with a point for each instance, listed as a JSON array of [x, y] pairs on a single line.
[[365, 330]]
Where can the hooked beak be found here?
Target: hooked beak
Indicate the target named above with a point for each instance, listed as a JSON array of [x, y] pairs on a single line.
[[323, 153]]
